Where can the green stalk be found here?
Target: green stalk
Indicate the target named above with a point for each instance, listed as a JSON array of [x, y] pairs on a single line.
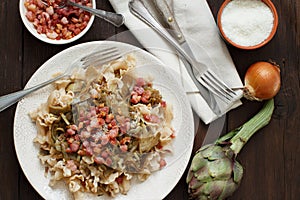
[[240, 136]]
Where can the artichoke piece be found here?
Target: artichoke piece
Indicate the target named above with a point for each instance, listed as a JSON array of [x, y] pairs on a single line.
[[214, 173], [55, 109], [76, 87], [147, 143]]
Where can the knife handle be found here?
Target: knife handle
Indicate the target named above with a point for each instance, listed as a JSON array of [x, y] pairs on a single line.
[[168, 16]]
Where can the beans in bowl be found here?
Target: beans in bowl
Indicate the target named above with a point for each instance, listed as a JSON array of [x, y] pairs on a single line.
[[57, 22]]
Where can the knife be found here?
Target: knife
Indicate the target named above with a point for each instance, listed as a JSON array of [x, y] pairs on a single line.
[[138, 9]]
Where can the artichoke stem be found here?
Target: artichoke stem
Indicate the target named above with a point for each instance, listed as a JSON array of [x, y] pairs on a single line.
[[261, 119]]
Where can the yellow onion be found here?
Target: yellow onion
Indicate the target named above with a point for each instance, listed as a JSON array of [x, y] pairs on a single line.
[[262, 81]]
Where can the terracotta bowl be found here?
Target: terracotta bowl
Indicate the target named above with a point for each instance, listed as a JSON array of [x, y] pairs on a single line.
[[275, 24]]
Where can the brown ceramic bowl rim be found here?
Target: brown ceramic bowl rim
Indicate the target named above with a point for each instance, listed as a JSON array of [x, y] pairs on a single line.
[[275, 24]]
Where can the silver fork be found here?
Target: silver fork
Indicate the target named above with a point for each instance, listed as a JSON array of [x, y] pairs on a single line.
[[114, 18], [95, 58], [198, 71]]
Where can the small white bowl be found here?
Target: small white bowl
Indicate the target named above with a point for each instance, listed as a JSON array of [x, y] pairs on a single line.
[[43, 37]]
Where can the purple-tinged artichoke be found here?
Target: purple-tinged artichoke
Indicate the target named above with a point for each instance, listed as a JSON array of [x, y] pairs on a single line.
[[214, 173]]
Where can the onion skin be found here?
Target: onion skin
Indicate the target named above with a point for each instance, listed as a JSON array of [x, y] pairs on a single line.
[[262, 81]]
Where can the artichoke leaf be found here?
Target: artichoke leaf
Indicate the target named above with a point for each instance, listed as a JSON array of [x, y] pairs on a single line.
[[229, 188], [221, 168], [212, 189], [208, 152], [195, 183], [198, 162], [203, 175], [237, 172]]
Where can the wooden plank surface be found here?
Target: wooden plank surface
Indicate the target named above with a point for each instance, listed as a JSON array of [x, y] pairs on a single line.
[[270, 159]]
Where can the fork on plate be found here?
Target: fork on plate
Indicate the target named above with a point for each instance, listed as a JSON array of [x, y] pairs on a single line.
[[96, 58]]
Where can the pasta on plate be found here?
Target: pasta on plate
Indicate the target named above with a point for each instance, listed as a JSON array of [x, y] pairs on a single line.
[[102, 128]]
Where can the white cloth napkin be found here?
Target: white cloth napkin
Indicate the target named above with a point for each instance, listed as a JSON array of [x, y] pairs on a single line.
[[199, 28]]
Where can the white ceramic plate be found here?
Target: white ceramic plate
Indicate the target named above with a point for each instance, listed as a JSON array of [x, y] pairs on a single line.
[[159, 183], [43, 37]]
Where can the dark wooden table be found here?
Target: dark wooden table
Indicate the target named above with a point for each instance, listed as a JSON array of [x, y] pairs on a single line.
[[270, 159]]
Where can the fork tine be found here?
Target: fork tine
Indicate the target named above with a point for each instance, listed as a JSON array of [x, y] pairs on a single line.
[[101, 57], [219, 84], [99, 53], [214, 89]]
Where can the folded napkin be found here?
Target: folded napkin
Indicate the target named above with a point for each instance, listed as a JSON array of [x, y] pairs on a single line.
[[199, 29]]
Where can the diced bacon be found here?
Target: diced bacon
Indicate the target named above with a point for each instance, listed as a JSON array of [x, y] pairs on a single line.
[[32, 7], [71, 165], [163, 104], [93, 112], [50, 10], [104, 140], [104, 154], [86, 18], [113, 122], [109, 118], [74, 127], [86, 143], [113, 133], [162, 163], [74, 20], [151, 118], [77, 31], [104, 110], [119, 180], [85, 134], [124, 147], [154, 119], [46, 16], [99, 160], [52, 35], [108, 161], [94, 123], [70, 132], [125, 127], [135, 99], [138, 90], [40, 3], [140, 82], [40, 29], [74, 146], [147, 117], [101, 121], [30, 16], [89, 151], [145, 100], [147, 94]]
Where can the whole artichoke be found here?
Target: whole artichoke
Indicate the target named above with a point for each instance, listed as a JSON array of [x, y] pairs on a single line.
[[214, 173]]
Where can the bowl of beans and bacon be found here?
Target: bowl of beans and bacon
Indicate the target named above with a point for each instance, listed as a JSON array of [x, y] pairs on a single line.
[[51, 23]]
